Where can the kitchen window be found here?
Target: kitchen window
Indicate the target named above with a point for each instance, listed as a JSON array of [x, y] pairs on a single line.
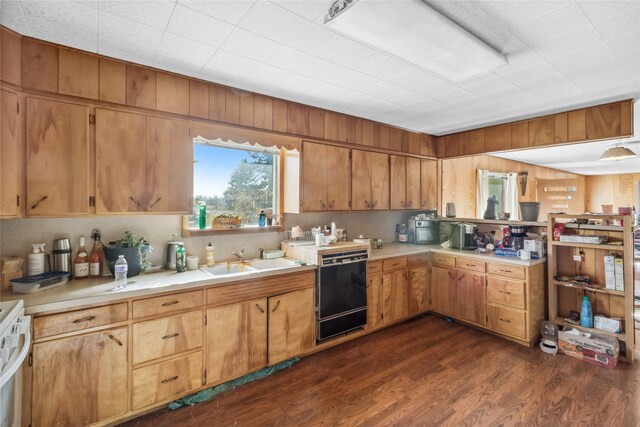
[[236, 182]]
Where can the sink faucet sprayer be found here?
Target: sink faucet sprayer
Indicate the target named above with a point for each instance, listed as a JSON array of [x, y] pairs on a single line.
[[240, 254]]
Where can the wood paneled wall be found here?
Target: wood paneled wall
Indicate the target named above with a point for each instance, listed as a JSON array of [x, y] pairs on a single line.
[[618, 190], [459, 180], [79, 74]]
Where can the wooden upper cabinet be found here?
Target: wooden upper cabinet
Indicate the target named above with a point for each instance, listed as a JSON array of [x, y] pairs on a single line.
[[78, 74], [280, 119], [398, 174], [561, 131], [542, 131], [120, 162], [606, 121], [217, 102], [172, 93], [316, 122], [113, 81], [232, 106], [247, 108], [57, 143], [380, 135], [369, 180], [169, 166], [413, 183], [576, 125], [325, 178], [428, 184], [297, 119], [37, 57], [463, 144], [451, 145], [395, 139], [141, 87], [10, 145], [497, 138], [331, 125], [263, 112], [367, 133]]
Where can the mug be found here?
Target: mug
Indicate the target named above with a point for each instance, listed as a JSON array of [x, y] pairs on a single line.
[[451, 210], [524, 254], [192, 262]]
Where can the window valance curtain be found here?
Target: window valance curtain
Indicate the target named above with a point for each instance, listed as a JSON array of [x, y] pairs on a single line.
[[244, 137]]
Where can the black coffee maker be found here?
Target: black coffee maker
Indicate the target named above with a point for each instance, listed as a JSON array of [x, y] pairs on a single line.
[[518, 234]]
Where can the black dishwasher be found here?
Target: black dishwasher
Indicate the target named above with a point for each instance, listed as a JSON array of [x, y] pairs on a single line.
[[341, 293]]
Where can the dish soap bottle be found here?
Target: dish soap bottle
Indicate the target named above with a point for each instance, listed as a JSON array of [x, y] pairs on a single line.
[[586, 315], [262, 219], [210, 255], [35, 264], [202, 215]]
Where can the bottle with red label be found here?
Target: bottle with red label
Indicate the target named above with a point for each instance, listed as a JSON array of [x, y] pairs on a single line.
[[558, 230], [81, 262]]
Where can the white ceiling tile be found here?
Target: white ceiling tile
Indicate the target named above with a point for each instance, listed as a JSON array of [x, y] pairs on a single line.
[[307, 65], [273, 22], [67, 35], [411, 79], [454, 96], [185, 52], [597, 10], [357, 81], [551, 25], [356, 56], [229, 63], [382, 90], [319, 41], [514, 13], [577, 39], [425, 104], [358, 99], [230, 11], [491, 83], [197, 26], [253, 46], [11, 16], [117, 34], [387, 68], [618, 25], [594, 56], [313, 10], [434, 88], [405, 97], [469, 16], [152, 13], [532, 72]]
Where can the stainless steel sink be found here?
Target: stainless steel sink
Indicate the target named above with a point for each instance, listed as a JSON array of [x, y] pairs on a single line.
[[248, 267]]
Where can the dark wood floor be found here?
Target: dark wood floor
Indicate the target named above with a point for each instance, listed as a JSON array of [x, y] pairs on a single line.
[[426, 372]]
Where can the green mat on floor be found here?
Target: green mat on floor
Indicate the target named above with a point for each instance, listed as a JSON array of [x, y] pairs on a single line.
[[210, 393]]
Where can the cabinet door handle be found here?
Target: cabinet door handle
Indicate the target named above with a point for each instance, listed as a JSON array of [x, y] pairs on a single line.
[[423, 204], [402, 203], [43, 198], [370, 283], [155, 203], [461, 277], [409, 203], [331, 204], [366, 203], [166, 337], [168, 380], [276, 307], [84, 319], [167, 304], [451, 275], [507, 293], [505, 321], [375, 204], [260, 308], [117, 341], [136, 202]]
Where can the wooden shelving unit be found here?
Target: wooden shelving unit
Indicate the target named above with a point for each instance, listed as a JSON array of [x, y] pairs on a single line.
[[567, 296]]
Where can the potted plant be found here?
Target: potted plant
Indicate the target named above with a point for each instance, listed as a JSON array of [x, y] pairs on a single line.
[[135, 250]]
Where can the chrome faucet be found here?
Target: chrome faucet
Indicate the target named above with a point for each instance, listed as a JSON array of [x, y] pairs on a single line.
[[239, 254]]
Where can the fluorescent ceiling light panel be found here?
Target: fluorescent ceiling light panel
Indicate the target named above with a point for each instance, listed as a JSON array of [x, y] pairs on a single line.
[[416, 33]]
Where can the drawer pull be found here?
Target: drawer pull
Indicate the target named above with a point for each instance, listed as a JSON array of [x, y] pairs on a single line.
[[166, 337], [276, 307], [84, 319], [260, 308], [505, 321], [167, 304], [506, 271], [168, 380], [117, 341]]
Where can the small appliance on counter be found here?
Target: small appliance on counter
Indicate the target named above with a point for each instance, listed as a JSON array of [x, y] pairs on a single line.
[[424, 230], [462, 236], [517, 235], [61, 255]]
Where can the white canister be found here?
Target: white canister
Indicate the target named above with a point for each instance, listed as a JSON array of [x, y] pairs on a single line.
[[524, 254], [192, 262]]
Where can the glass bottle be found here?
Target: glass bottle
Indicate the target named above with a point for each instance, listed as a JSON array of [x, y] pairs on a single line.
[[96, 260], [81, 262], [202, 215], [262, 219], [181, 258]]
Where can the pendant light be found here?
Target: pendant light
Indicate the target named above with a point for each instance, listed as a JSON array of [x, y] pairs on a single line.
[[617, 152]]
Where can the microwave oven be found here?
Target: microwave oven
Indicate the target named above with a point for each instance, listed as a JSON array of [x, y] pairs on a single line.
[[424, 231]]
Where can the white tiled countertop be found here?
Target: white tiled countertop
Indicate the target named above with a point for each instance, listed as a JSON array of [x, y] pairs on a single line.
[[402, 249]]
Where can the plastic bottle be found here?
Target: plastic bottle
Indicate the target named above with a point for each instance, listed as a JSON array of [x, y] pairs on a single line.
[[586, 315], [35, 263], [262, 219], [96, 260], [202, 216], [402, 234], [120, 271], [181, 258], [81, 262], [210, 255]]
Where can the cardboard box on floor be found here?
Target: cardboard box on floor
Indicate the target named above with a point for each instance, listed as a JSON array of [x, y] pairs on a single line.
[[592, 348]]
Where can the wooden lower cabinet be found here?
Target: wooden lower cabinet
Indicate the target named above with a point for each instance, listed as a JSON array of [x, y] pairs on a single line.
[[419, 289], [80, 380], [166, 380], [507, 320], [443, 290], [470, 295], [395, 296], [374, 301], [291, 324], [236, 340]]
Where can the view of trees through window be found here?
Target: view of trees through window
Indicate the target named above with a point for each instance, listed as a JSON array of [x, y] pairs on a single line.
[[234, 182]]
